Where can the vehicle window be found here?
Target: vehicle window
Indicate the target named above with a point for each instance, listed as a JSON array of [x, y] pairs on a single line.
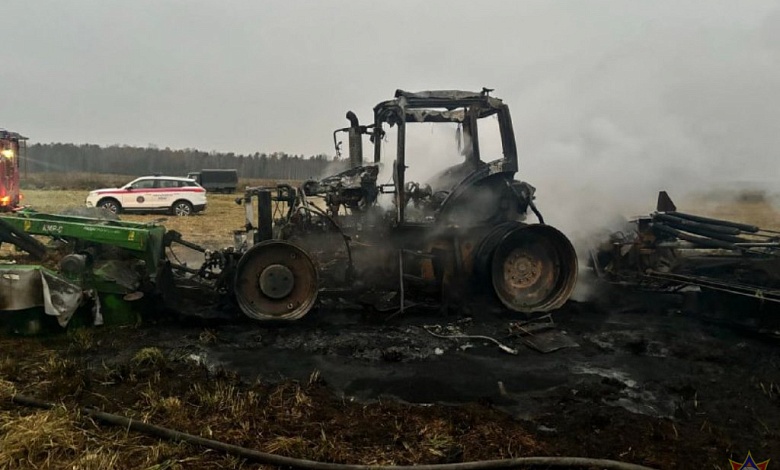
[[190, 184], [431, 147], [491, 146], [168, 184], [143, 184]]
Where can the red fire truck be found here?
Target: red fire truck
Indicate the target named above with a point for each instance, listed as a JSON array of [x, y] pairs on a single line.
[[12, 148]]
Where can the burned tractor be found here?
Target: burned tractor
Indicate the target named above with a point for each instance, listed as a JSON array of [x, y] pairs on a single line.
[[372, 236], [12, 149], [377, 236]]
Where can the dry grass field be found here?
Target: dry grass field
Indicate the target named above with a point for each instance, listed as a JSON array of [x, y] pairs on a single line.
[[751, 207], [212, 228]]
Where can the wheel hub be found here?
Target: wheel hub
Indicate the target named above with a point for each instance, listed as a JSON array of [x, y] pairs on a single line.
[[521, 270], [276, 281]]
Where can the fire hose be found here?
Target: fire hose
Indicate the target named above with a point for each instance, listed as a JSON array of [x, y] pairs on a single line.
[[291, 462]]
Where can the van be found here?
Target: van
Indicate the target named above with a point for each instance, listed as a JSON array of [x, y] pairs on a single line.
[[220, 181]]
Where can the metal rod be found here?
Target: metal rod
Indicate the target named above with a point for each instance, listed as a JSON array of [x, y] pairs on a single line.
[[401, 279], [264, 217], [757, 244], [685, 224], [692, 238], [707, 220], [699, 230]]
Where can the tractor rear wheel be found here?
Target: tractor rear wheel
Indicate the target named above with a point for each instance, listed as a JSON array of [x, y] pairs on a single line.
[[532, 268]]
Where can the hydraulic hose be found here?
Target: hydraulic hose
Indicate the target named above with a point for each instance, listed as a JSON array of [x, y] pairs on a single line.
[[291, 462]]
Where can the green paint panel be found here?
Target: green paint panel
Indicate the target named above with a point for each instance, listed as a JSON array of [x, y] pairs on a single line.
[[144, 239], [128, 235]]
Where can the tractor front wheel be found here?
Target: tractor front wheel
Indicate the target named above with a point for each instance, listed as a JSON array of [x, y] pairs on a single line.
[[276, 280]]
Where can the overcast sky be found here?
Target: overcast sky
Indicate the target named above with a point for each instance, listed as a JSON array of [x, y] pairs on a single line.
[[597, 89]]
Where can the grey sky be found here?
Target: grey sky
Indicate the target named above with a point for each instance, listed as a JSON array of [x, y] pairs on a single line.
[[611, 87]]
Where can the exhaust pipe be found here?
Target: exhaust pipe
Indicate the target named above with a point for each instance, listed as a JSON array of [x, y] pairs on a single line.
[[355, 141]]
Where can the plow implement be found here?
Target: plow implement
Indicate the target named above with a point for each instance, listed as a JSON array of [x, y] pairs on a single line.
[[724, 261]]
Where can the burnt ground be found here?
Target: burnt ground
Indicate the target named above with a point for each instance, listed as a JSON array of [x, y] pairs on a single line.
[[642, 383]]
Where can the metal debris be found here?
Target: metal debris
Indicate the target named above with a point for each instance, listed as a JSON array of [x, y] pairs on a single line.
[[438, 332], [678, 252]]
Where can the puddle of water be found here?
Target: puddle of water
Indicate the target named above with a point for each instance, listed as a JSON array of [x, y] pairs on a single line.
[[614, 374], [632, 398]]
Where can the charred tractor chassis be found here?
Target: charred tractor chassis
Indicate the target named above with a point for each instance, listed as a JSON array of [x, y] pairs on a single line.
[[456, 238]]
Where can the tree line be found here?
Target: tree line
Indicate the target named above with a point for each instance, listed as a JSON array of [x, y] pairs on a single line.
[[139, 161]]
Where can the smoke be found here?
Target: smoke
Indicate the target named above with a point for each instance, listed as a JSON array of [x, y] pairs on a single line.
[[686, 108], [681, 109], [430, 148]]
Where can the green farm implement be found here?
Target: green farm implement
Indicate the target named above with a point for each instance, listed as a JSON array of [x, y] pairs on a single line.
[[105, 267]]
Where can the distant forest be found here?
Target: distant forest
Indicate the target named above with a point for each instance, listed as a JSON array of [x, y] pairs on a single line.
[[139, 161]]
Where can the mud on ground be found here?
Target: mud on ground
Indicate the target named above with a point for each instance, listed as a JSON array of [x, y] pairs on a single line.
[[643, 385]]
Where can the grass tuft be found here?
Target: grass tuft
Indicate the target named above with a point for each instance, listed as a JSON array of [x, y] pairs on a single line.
[[40, 439], [58, 366], [7, 389], [97, 459], [208, 336], [82, 339], [9, 368], [149, 357], [224, 398], [283, 445]]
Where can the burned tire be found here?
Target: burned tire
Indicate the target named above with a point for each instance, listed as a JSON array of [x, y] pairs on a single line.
[[531, 268], [182, 208], [111, 205], [276, 280]]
